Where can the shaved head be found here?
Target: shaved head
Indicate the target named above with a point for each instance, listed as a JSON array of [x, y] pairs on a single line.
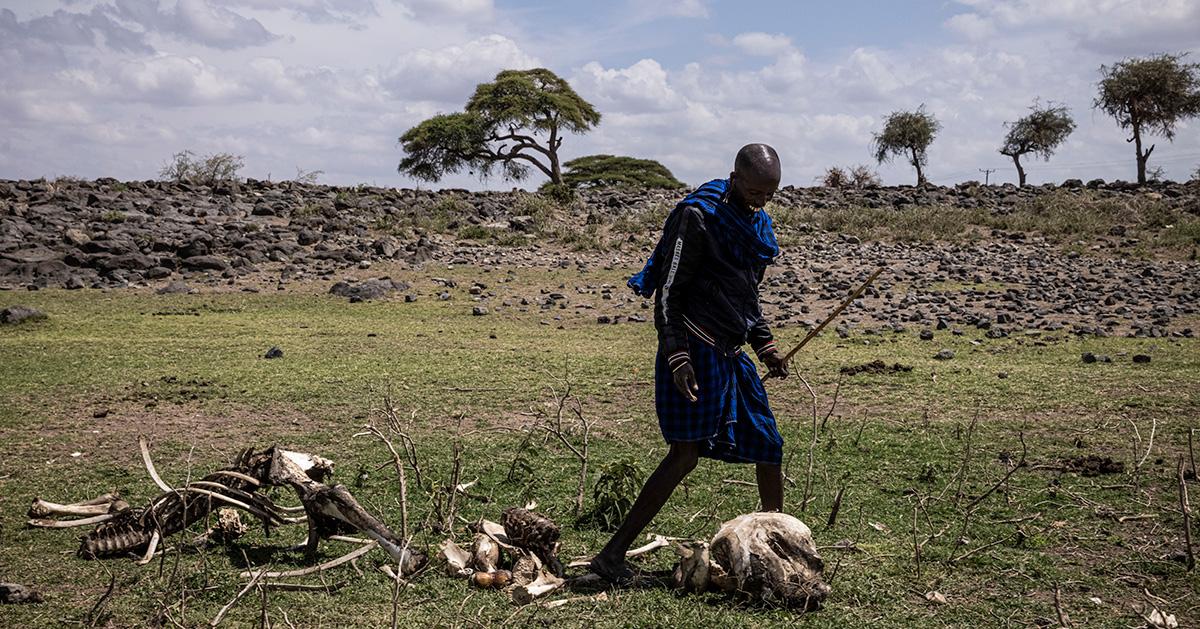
[[757, 160], [755, 176]]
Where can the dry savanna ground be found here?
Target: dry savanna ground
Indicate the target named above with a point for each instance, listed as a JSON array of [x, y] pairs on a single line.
[[1012, 485]]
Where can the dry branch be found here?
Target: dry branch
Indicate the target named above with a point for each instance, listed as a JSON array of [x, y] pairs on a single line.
[[1186, 510]]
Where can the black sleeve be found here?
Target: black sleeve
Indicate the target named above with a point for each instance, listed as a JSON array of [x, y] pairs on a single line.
[[686, 242], [760, 337]]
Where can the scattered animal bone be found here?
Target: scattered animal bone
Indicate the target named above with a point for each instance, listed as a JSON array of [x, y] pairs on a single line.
[[228, 527], [329, 510], [595, 598], [768, 556], [485, 553], [535, 533], [457, 560], [657, 542], [545, 583], [526, 568], [100, 505]]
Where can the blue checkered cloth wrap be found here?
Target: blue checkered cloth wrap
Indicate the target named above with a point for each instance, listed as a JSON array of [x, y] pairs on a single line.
[[730, 416]]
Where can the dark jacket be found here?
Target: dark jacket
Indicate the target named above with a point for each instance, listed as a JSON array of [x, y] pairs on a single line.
[[701, 285]]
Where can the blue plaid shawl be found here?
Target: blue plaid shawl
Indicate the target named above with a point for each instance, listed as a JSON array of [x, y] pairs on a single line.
[[745, 238]]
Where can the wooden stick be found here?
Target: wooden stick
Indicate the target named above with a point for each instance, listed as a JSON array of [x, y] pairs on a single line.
[[821, 326], [145, 448], [228, 606]]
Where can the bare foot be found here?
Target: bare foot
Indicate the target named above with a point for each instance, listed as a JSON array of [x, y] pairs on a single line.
[[616, 572]]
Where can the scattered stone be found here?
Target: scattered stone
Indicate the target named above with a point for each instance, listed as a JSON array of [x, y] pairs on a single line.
[[945, 354], [368, 290], [875, 367], [100, 413], [1094, 465], [478, 311], [174, 288], [1141, 358], [603, 319], [18, 314], [274, 352], [926, 335], [1089, 358], [410, 298]]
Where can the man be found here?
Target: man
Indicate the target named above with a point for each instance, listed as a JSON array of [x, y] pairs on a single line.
[[705, 273]]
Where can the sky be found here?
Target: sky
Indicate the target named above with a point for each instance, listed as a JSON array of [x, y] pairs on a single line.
[[113, 88]]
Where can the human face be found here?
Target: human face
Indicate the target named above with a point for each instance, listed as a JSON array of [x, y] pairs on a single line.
[[752, 190]]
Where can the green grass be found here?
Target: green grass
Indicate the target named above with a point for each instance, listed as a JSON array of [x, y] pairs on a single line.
[[188, 371]]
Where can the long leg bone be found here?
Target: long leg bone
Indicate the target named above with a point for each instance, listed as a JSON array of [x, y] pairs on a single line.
[[64, 524], [348, 557]]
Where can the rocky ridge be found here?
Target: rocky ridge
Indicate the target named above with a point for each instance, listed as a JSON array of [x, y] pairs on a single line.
[[107, 233]]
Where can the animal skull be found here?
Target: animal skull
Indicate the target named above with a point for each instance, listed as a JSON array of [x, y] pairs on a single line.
[[767, 556]]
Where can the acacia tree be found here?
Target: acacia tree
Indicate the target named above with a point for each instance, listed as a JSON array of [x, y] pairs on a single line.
[[513, 123], [908, 134], [1040, 132], [1149, 96], [598, 171]]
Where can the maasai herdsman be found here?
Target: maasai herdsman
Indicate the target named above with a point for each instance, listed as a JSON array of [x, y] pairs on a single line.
[[704, 274]]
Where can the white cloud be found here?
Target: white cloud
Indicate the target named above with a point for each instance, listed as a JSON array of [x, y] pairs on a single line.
[[450, 74], [192, 20], [475, 9], [970, 25], [763, 44], [174, 81], [641, 87]]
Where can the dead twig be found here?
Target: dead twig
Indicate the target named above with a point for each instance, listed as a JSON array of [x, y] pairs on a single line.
[[555, 428], [228, 606], [1063, 619], [812, 447], [833, 405], [1186, 510], [94, 614]]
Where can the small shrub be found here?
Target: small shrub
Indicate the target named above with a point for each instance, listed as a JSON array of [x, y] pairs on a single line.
[[835, 177], [475, 232], [560, 193], [613, 494], [187, 167], [861, 176]]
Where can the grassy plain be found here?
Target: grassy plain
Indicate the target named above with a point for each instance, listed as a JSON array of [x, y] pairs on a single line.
[[187, 370]]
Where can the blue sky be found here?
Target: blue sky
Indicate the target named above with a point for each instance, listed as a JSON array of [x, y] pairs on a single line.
[[114, 87]]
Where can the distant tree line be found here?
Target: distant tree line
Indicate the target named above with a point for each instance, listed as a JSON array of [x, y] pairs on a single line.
[[516, 123]]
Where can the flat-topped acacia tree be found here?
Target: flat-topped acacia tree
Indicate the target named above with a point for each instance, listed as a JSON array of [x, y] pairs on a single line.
[[1149, 95], [514, 123], [908, 134], [1039, 132], [600, 171]]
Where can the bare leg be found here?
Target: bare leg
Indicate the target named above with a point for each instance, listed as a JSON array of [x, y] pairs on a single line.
[[770, 486], [680, 461]]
